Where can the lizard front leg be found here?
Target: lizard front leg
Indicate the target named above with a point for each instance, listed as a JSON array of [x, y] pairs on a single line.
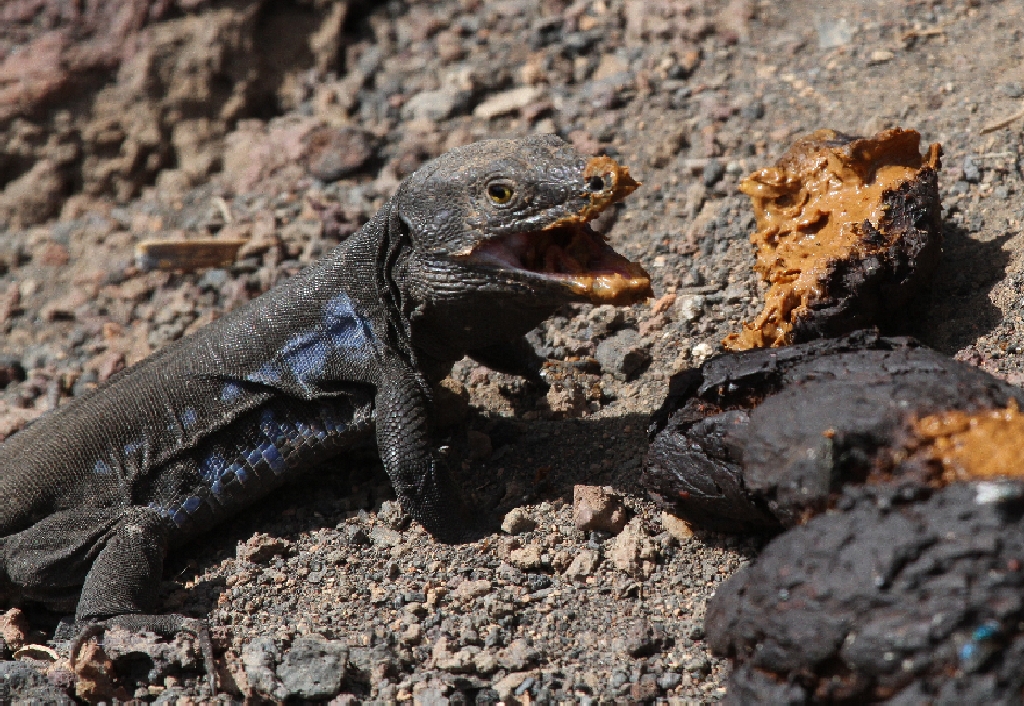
[[419, 477], [126, 572]]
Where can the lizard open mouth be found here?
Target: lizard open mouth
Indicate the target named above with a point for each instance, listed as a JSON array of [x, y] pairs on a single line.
[[572, 254]]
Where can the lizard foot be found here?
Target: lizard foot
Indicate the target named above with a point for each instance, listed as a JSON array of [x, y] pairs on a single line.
[[166, 626]]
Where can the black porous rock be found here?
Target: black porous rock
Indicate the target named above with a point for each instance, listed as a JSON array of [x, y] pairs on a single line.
[[896, 600], [763, 439]]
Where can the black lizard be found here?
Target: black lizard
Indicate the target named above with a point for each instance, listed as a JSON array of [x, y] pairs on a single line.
[[474, 250]]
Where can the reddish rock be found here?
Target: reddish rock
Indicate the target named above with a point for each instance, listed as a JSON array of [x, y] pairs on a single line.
[[14, 628], [256, 151], [262, 547], [9, 301], [14, 419], [664, 303], [337, 153], [123, 90], [51, 254], [566, 398], [33, 196], [632, 551], [63, 309], [96, 676], [596, 508], [106, 364]]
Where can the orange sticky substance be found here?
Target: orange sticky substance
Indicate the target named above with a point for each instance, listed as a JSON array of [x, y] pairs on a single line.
[[614, 288], [810, 211], [593, 270], [622, 184], [580, 259], [618, 185], [982, 445]]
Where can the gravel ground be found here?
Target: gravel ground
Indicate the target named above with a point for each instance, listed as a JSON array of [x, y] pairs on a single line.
[[692, 96]]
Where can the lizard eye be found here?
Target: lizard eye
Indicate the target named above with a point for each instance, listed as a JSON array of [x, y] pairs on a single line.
[[595, 183], [499, 192]]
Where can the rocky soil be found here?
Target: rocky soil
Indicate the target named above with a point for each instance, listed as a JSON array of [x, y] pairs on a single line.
[[286, 125]]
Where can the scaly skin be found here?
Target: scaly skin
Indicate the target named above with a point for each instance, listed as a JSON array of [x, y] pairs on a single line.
[[346, 351]]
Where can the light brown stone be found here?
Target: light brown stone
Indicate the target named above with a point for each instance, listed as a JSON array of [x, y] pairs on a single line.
[[596, 508]]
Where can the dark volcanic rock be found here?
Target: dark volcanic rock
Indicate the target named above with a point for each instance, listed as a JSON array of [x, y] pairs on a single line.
[[19, 683], [762, 439], [918, 601], [314, 668], [625, 352]]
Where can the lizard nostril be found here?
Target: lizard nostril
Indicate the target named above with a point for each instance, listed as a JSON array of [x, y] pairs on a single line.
[[595, 183]]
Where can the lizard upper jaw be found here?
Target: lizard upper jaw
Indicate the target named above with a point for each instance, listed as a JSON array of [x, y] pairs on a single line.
[[571, 254]]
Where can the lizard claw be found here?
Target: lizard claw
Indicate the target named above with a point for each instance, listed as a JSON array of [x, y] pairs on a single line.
[[163, 625]]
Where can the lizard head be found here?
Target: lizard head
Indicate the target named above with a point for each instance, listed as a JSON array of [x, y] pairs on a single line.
[[516, 213]]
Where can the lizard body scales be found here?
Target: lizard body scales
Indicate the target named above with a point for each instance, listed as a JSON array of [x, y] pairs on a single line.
[[474, 250]]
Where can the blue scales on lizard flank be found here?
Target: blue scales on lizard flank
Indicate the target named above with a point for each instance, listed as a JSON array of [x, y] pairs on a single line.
[[306, 355], [256, 452], [341, 333], [231, 392], [349, 333], [212, 467], [268, 374]]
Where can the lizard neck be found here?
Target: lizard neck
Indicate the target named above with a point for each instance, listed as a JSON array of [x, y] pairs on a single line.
[[454, 310]]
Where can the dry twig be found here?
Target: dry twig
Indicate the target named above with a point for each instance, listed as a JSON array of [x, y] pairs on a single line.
[[999, 124]]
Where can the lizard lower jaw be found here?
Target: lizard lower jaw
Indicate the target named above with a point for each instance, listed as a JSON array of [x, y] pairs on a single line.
[[572, 255]]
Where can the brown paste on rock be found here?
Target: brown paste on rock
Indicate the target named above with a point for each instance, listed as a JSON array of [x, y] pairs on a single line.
[[811, 209], [973, 446]]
